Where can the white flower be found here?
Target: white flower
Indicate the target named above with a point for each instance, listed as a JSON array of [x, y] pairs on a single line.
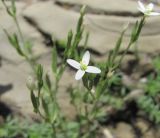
[[147, 10], [83, 67]]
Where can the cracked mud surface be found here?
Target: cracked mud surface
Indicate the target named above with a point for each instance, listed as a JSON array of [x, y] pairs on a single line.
[[40, 20]]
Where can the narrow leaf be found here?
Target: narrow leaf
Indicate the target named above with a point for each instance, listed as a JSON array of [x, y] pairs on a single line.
[[54, 60], [34, 101], [45, 106], [14, 42]]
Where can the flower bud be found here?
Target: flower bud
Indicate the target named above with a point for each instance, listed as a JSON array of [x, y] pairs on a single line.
[[110, 73], [31, 83]]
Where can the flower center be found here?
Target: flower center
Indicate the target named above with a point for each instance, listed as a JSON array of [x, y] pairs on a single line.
[[83, 66], [148, 10]]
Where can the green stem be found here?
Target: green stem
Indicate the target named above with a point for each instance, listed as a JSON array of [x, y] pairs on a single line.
[[129, 45], [87, 117], [54, 131], [136, 52], [41, 115], [94, 109], [92, 95], [31, 62], [142, 22], [19, 29]]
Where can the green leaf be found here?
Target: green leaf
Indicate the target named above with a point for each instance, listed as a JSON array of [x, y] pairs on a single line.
[[13, 7], [54, 112], [85, 81], [69, 44], [9, 10], [14, 42], [48, 82], [78, 35], [118, 45], [100, 88], [60, 72], [134, 32], [110, 64], [137, 30], [69, 39], [54, 60], [3, 132], [39, 73], [61, 44], [142, 22], [80, 21], [34, 101], [45, 106], [73, 125], [28, 45]]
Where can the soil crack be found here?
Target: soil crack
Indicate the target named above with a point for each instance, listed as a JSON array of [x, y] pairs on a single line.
[[90, 10]]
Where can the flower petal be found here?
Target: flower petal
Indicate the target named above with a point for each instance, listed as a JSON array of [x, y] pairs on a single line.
[[150, 6], [143, 11], [92, 69], [154, 13], [141, 6], [73, 63], [79, 74], [86, 58]]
